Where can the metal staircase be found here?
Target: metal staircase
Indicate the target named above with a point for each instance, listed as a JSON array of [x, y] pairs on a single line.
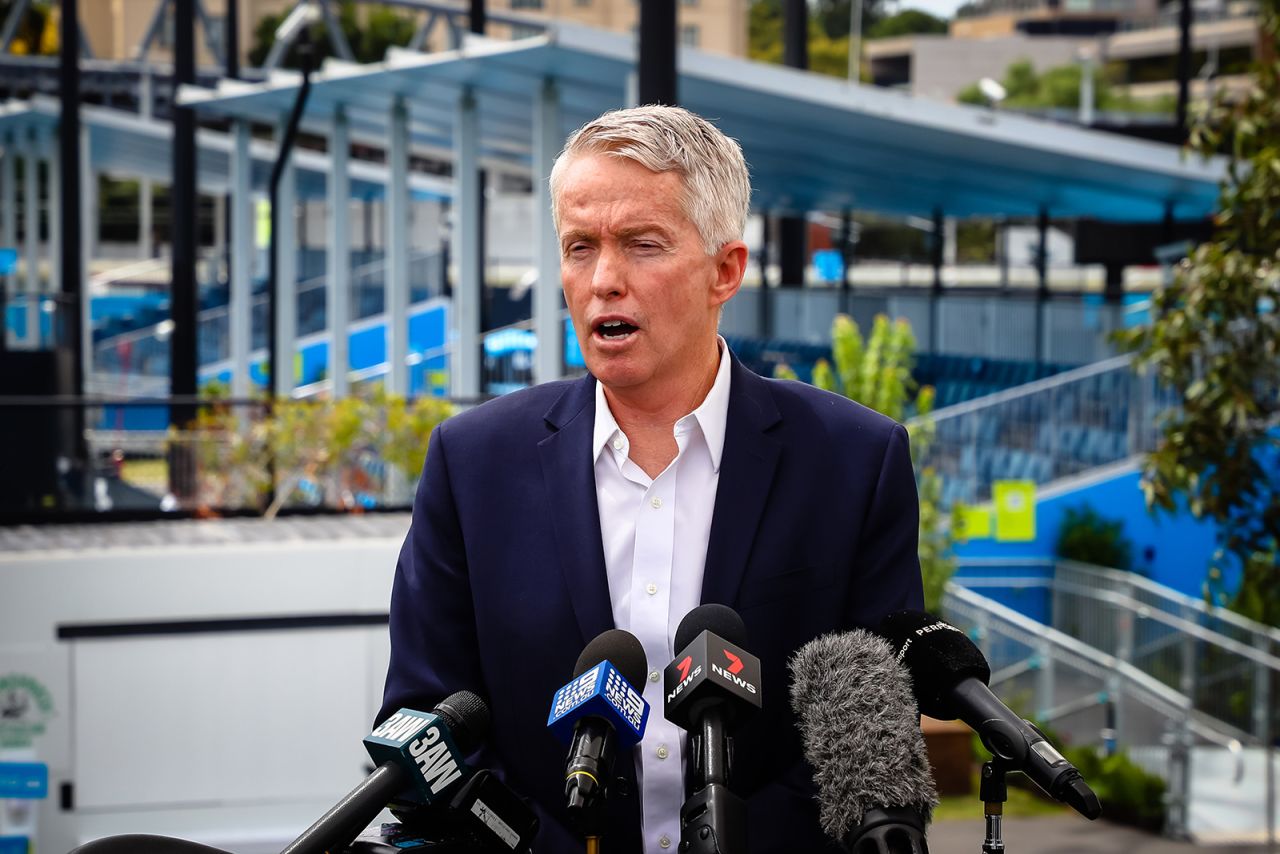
[[1188, 690]]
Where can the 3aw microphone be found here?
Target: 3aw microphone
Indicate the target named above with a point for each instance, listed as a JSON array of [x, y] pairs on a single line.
[[950, 677], [711, 687], [421, 766], [597, 713], [861, 734], [430, 749]]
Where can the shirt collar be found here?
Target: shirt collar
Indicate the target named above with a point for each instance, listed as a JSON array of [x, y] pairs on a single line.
[[711, 415]]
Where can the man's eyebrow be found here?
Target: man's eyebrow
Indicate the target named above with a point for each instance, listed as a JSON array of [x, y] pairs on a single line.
[[574, 235], [643, 228]]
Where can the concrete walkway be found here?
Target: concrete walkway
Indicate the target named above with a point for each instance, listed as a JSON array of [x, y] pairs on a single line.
[[1066, 834]]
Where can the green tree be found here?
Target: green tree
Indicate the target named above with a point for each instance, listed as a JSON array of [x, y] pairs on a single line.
[[834, 16], [338, 447], [1059, 87], [905, 23], [1215, 341], [877, 373], [828, 51], [30, 36], [369, 31]]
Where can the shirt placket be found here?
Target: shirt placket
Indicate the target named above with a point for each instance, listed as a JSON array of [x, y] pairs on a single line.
[[662, 784]]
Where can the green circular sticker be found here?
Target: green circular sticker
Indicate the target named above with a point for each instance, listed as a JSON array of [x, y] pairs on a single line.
[[25, 709]]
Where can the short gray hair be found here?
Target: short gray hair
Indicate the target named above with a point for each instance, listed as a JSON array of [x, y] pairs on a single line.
[[717, 186]]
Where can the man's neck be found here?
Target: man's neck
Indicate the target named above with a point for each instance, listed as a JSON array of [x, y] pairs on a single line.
[[648, 417], [655, 408]]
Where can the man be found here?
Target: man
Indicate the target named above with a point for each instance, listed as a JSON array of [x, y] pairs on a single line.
[[668, 477]]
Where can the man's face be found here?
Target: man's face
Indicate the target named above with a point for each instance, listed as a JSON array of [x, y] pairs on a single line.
[[643, 293]]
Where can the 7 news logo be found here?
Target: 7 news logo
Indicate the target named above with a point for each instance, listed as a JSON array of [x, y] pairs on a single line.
[[730, 673]]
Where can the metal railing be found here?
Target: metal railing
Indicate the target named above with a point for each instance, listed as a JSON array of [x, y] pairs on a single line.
[[146, 351], [1224, 665], [1071, 328], [1204, 14], [1128, 662], [1050, 429]]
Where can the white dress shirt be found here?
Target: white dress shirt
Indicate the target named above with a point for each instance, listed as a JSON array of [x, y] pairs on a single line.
[[655, 533]]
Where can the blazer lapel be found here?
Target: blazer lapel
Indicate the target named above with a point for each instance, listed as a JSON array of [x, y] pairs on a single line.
[[747, 468], [569, 478]]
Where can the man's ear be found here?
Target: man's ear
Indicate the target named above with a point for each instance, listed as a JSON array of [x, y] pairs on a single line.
[[731, 266]]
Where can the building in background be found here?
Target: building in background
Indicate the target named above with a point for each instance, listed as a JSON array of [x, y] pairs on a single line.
[[116, 28], [718, 26], [1136, 42]]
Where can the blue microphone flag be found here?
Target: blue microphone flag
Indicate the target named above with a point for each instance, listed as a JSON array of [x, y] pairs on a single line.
[[601, 692]]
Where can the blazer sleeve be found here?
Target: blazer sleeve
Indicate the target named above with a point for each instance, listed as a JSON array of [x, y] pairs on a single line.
[[888, 551], [434, 650]]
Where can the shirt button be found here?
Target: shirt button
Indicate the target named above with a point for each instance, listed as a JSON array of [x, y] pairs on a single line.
[[664, 842], [653, 675], [663, 753], [617, 444], [656, 502], [651, 589]]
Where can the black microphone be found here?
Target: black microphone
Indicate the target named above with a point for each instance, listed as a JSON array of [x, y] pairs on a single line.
[[950, 677], [710, 689], [422, 767], [598, 712], [861, 734], [142, 843]]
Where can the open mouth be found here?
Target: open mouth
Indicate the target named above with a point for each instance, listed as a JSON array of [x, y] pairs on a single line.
[[615, 330]]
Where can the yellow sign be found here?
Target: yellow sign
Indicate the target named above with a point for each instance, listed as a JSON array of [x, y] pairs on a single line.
[[1015, 502], [972, 523], [264, 223]]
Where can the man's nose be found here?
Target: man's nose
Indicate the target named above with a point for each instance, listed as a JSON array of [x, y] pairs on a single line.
[[609, 278]]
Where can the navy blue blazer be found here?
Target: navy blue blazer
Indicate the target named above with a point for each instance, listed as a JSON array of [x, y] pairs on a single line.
[[501, 581]]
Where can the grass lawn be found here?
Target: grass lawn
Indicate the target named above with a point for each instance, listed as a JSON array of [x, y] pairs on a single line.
[[146, 473], [1021, 804]]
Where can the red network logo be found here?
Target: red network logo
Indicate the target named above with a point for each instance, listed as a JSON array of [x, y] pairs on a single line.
[[735, 663]]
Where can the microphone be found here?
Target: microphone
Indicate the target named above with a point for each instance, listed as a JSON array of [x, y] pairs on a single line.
[[861, 734], [597, 713], [711, 687], [950, 677], [422, 774]]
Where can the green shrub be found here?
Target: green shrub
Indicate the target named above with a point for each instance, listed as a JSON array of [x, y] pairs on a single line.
[[1088, 537], [1129, 794]]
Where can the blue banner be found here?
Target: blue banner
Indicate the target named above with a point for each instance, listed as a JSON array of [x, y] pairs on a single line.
[[28, 780], [15, 845]]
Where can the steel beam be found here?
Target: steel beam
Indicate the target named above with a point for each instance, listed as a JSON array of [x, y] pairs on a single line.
[[31, 237], [338, 293], [397, 250], [240, 308], [547, 325], [286, 244], [465, 364]]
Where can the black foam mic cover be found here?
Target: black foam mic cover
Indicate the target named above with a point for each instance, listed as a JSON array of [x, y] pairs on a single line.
[[937, 655], [621, 649], [720, 620]]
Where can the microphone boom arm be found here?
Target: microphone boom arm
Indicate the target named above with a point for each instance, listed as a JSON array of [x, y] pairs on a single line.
[[343, 822]]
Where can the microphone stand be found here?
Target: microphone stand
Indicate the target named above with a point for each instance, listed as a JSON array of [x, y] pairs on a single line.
[[994, 791], [713, 820]]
